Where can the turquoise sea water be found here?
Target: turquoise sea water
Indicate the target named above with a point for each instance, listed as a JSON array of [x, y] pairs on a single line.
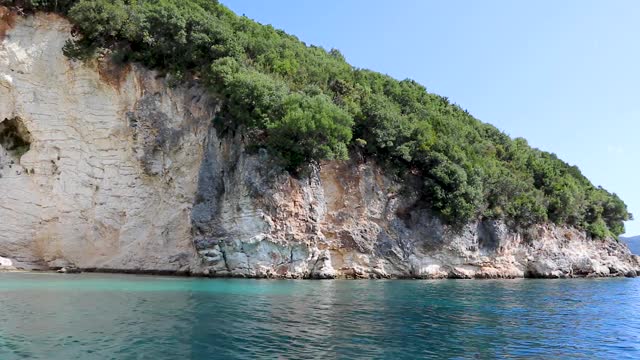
[[92, 316]]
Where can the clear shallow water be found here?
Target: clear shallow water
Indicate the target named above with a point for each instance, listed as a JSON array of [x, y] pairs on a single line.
[[91, 316]]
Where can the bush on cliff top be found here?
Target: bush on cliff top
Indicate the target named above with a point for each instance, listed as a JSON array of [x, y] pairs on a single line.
[[307, 104]]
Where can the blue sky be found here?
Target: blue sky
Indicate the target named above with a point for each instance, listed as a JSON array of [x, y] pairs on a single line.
[[565, 75]]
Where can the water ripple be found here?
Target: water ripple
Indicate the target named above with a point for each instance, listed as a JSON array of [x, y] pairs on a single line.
[[136, 317]]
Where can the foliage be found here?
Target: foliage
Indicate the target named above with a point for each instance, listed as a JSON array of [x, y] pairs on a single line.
[[308, 104], [311, 128], [61, 6]]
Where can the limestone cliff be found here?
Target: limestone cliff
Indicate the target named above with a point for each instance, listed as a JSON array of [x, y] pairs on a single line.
[[106, 167]]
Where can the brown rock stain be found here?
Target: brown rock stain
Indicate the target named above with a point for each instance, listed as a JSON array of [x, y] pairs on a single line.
[[7, 21], [113, 73], [333, 188], [47, 245]]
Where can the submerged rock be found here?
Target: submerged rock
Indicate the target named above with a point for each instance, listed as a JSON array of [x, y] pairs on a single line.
[[69, 270]]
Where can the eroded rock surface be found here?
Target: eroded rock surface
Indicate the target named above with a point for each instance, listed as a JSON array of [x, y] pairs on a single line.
[[106, 167], [98, 169]]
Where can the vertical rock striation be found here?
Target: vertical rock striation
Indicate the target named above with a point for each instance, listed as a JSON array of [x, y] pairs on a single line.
[[106, 167], [99, 165]]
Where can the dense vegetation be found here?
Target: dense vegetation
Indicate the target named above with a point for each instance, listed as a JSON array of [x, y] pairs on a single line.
[[307, 104]]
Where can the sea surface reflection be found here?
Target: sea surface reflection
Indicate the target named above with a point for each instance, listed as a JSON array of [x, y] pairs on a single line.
[[91, 316]]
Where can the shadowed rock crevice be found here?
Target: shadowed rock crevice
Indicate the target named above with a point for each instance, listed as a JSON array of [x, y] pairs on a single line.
[[488, 235], [210, 191], [15, 139]]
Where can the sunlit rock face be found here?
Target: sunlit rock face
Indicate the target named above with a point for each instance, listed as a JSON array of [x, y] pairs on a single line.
[[106, 167], [99, 165]]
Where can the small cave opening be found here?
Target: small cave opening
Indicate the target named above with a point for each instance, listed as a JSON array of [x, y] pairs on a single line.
[[15, 139]]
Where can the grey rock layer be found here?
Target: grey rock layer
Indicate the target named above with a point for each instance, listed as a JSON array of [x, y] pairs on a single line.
[[107, 168]]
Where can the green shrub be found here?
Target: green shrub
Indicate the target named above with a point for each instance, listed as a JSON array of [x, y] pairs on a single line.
[[311, 128]]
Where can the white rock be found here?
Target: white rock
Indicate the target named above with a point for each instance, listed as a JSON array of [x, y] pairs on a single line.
[[6, 80], [4, 262], [81, 193]]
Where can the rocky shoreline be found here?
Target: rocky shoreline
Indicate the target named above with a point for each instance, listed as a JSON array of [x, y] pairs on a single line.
[[453, 276]]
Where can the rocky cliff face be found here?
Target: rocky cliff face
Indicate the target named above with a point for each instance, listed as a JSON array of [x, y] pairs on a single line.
[[106, 167]]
